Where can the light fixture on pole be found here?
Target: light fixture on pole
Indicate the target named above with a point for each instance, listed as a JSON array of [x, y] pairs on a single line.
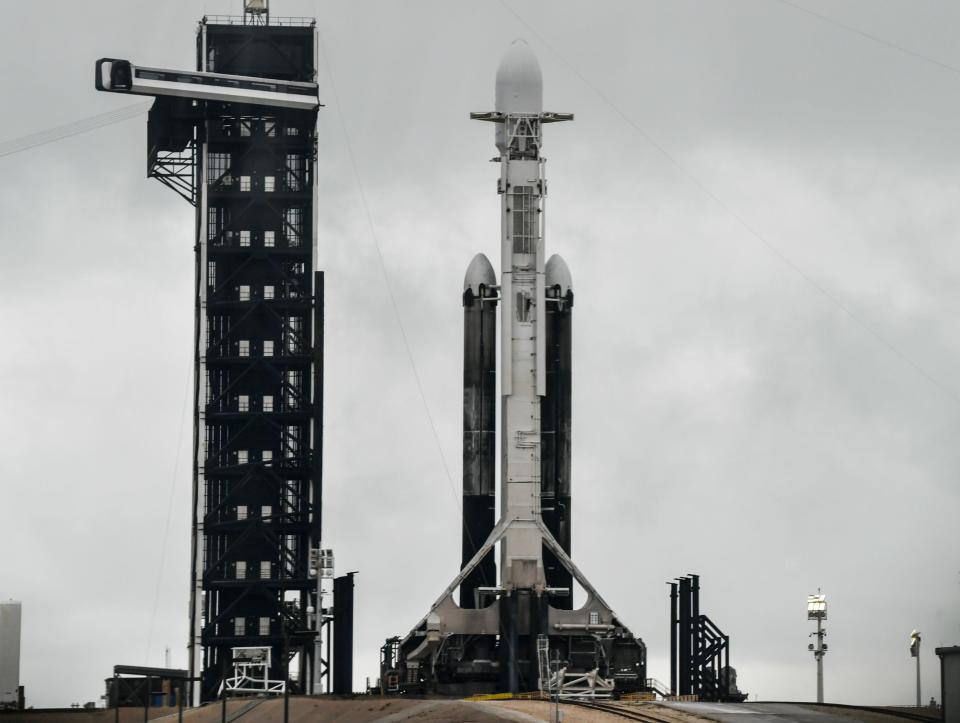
[[817, 610], [915, 652]]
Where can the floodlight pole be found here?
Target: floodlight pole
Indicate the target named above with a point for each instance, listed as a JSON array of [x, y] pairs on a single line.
[[817, 610], [918, 673], [819, 657]]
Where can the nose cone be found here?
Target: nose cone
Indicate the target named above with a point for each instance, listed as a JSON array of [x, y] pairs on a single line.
[[519, 81], [480, 271], [558, 273]]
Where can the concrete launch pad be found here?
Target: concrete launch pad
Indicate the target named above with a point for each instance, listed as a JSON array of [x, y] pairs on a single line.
[[366, 709]]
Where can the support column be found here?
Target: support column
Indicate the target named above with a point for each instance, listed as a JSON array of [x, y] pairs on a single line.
[[343, 634]]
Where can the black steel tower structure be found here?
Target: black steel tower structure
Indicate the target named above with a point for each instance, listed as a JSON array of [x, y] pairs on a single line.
[[237, 139], [259, 358]]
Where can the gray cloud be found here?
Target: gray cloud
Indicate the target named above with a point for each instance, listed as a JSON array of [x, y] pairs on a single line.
[[729, 418]]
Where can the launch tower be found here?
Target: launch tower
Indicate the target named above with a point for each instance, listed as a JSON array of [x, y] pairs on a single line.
[[237, 139]]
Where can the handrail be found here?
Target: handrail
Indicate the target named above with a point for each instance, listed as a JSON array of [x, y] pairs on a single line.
[[297, 22]]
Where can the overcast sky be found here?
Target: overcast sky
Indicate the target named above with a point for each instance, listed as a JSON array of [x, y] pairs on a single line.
[[777, 411]]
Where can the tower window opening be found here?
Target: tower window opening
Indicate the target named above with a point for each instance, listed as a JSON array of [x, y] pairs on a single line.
[[265, 570], [217, 219], [242, 515], [218, 168], [239, 627], [292, 440], [212, 274], [294, 389], [241, 566], [244, 180], [264, 626], [243, 456], [268, 347], [294, 330], [245, 238], [268, 291], [296, 171], [266, 511], [243, 347], [244, 292], [269, 240], [268, 402], [267, 455], [293, 219], [243, 403], [268, 184]]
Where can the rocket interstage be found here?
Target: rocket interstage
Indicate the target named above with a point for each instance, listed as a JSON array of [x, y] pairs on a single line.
[[500, 635]]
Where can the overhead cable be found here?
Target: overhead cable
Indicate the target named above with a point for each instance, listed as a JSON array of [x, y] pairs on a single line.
[[386, 275], [84, 125], [787, 261], [868, 36]]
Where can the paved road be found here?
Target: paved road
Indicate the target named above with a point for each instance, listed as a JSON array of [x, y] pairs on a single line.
[[772, 713]]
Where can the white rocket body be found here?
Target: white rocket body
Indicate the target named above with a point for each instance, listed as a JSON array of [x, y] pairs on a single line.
[[519, 98]]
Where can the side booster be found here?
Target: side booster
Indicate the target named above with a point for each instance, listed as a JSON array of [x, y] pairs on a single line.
[[518, 631]]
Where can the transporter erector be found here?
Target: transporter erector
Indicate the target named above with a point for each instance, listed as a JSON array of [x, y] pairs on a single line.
[[519, 632]]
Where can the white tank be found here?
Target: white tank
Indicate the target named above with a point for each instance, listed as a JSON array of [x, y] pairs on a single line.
[[9, 651]]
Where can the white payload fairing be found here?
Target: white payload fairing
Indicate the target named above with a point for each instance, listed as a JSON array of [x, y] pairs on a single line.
[[499, 635]]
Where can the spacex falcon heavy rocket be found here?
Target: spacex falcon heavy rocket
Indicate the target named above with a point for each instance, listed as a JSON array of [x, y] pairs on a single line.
[[503, 631]]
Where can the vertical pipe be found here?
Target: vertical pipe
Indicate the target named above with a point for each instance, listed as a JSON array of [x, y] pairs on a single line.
[[727, 662], [513, 640], [918, 676], [116, 698], [536, 609], [316, 490], [819, 660], [479, 423], [326, 669], [683, 627], [316, 477], [148, 691], [196, 544], [673, 638], [343, 634], [697, 633]]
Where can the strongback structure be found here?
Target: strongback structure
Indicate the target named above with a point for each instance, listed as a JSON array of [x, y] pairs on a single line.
[[237, 139], [259, 362], [499, 635]]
